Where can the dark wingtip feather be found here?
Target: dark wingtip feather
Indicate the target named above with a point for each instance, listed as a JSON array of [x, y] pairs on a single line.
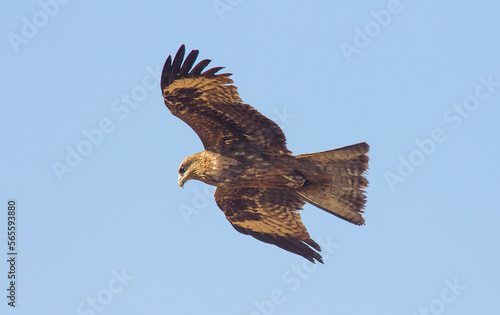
[[296, 246], [165, 73], [188, 63], [199, 67], [211, 72], [311, 253], [176, 65], [313, 244]]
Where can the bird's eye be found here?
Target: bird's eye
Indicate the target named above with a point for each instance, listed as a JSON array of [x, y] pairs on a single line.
[[182, 170]]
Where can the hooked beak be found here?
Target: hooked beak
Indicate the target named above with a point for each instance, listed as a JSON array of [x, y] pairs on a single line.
[[180, 182]]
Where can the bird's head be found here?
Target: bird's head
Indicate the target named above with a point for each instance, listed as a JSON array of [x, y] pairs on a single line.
[[190, 169]]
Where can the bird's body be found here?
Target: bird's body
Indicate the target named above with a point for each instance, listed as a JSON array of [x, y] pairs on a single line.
[[250, 170], [260, 184]]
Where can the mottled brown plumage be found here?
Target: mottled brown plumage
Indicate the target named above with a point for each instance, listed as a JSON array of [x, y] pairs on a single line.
[[261, 186]]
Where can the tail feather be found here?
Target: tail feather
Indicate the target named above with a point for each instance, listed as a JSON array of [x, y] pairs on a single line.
[[336, 179]]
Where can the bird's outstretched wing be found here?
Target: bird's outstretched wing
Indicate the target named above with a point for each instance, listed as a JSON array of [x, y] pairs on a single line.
[[270, 215], [214, 110]]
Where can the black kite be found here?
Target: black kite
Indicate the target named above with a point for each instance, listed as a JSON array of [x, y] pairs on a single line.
[[260, 184]]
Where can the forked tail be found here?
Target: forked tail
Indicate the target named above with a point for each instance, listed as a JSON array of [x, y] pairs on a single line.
[[336, 181]]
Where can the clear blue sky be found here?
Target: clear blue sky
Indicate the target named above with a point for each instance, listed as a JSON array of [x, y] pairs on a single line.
[[110, 232]]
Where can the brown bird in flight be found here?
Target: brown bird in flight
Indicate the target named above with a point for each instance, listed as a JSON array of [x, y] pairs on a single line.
[[261, 186]]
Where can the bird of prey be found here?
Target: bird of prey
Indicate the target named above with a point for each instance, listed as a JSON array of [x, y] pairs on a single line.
[[261, 186]]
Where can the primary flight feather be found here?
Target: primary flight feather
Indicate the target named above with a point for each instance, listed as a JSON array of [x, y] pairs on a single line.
[[261, 186]]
